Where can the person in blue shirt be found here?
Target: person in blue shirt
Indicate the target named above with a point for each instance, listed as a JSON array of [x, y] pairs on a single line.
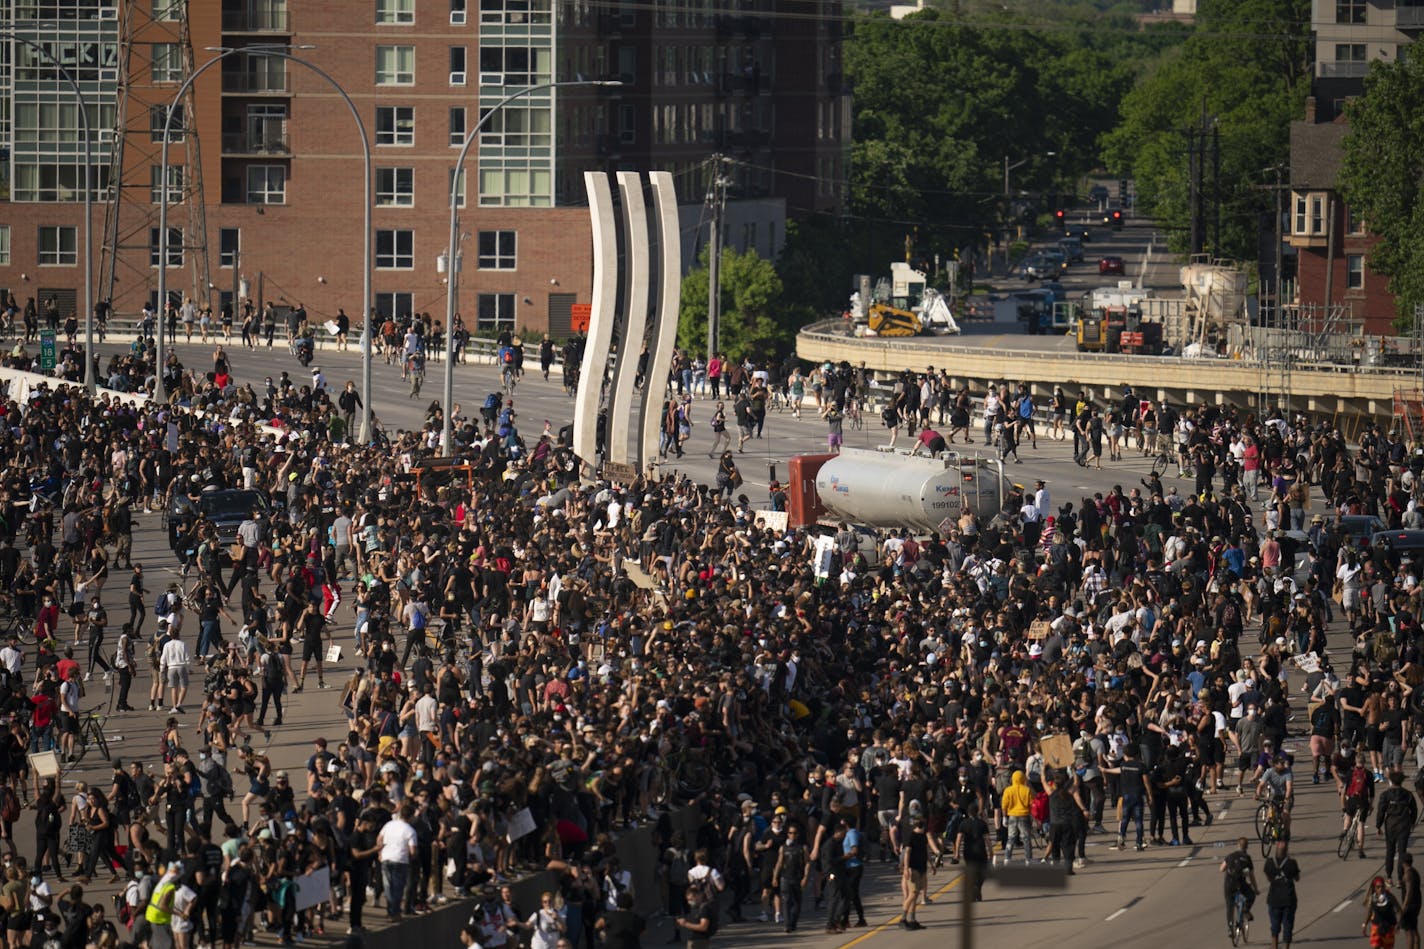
[[853, 847]]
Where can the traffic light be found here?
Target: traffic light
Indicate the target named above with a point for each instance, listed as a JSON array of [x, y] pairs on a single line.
[[1122, 190], [1060, 217], [1117, 218]]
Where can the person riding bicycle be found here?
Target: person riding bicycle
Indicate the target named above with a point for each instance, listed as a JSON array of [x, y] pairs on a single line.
[[1277, 785], [1240, 878], [1359, 796]]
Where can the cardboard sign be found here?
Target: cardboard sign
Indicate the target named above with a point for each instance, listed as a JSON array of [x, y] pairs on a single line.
[[333, 653], [1308, 663], [520, 825], [1057, 751], [44, 764], [1038, 630], [313, 888], [773, 520]]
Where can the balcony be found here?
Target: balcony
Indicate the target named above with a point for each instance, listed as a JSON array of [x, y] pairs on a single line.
[[246, 143], [255, 21], [1409, 17], [1341, 69], [256, 84]]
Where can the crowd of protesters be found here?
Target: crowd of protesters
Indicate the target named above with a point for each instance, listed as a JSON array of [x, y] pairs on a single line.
[[546, 662]]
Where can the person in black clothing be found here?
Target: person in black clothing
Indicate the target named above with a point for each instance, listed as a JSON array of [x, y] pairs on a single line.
[[1240, 877], [1282, 871], [1395, 816], [274, 683], [972, 846], [1409, 901], [49, 817]]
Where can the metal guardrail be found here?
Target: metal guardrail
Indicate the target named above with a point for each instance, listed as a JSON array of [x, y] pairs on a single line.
[[830, 331]]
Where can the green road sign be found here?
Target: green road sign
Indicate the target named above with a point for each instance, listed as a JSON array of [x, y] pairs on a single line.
[[47, 361]]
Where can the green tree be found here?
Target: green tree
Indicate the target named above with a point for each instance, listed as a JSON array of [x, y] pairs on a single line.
[[1381, 174], [1247, 64], [752, 321]]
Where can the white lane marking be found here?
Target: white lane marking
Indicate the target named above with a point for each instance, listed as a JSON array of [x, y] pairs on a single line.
[[1342, 907], [1116, 915], [1184, 861]]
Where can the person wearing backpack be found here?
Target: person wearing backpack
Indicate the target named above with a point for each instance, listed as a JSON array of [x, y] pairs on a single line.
[[1240, 877], [1359, 795], [699, 923], [1283, 872], [1394, 820], [792, 869]]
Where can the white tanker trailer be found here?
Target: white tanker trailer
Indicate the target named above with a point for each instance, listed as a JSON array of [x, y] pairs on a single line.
[[893, 489]]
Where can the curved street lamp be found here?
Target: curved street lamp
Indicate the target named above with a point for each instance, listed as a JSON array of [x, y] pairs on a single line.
[[88, 198], [279, 52], [451, 258]]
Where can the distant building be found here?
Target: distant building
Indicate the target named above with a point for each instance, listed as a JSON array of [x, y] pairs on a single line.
[[1333, 243], [265, 179]]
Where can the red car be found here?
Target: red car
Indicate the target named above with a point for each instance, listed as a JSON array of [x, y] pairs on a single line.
[[1110, 265]]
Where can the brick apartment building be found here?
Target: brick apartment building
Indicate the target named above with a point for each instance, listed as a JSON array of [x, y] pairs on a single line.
[[265, 163], [1332, 243]]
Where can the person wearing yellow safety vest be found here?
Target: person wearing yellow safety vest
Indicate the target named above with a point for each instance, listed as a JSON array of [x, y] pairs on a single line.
[[159, 912]]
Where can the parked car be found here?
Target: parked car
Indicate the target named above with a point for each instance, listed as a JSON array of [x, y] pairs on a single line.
[[1360, 529], [1072, 249], [1111, 264]]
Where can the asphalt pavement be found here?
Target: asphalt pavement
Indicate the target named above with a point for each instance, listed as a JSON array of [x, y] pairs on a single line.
[[1165, 897]]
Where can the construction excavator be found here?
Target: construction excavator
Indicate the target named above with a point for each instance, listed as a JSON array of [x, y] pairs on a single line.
[[901, 306]]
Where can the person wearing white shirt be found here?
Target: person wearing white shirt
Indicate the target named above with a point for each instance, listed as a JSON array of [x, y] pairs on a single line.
[[12, 659], [173, 661], [397, 845], [1041, 499], [425, 711]]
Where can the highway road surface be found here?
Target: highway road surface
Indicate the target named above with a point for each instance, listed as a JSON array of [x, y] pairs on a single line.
[[1164, 898]]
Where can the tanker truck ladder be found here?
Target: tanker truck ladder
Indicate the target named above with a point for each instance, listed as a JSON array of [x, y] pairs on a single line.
[[1409, 407]]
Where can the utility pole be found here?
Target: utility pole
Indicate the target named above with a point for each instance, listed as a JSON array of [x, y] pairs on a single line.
[[1194, 193], [1280, 238], [717, 198], [1216, 188]]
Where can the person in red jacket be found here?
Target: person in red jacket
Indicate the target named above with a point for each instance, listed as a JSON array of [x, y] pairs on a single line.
[[47, 622], [42, 718]]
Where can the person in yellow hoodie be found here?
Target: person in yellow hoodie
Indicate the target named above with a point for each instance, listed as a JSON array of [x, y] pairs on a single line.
[[1014, 806]]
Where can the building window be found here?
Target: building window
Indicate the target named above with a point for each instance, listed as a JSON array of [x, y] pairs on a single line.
[[175, 247], [395, 250], [167, 10], [266, 184], [395, 65], [1298, 224], [497, 250], [518, 65], [457, 12], [229, 246], [496, 312], [457, 126], [458, 189], [1355, 272], [167, 63], [175, 184], [395, 11], [515, 187], [53, 182], [457, 65], [157, 114], [395, 187], [1354, 224], [1349, 11], [1317, 214], [395, 305], [1349, 52], [395, 125], [59, 246], [4, 245]]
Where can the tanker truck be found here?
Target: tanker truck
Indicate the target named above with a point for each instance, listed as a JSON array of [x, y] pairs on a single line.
[[892, 489]]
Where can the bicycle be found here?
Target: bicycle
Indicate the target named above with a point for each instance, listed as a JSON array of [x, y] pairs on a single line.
[[1270, 826], [1161, 461], [1240, 926], [91, 729], [1350, 836]]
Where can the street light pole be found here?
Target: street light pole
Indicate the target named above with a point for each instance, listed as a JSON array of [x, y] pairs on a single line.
[[447, 447], [368, 176], [88, 199]]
